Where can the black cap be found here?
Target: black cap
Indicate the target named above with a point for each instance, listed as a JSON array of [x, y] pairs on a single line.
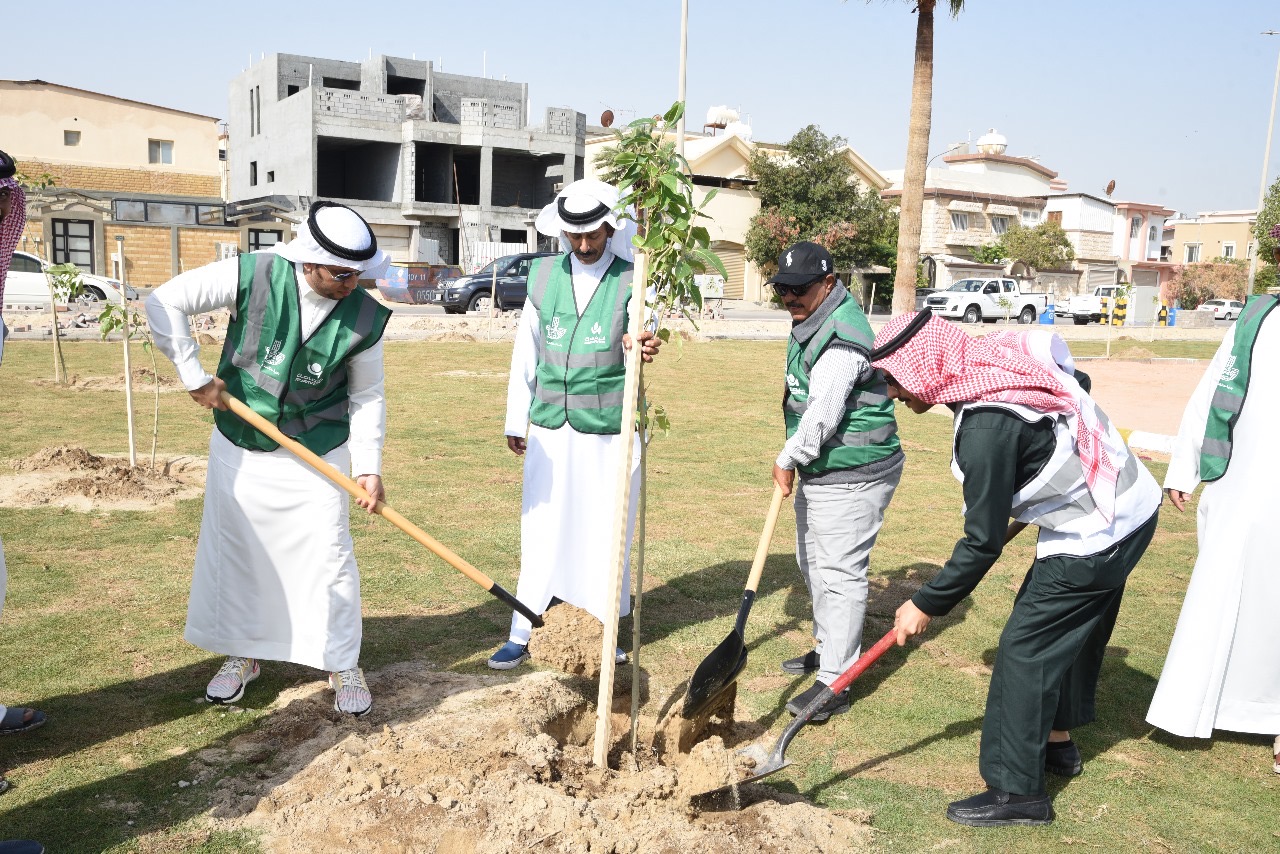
[[803, 263], [7, 167]]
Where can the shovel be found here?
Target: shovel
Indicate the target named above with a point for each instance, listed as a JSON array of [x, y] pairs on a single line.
[[776, 759], [718, 670], [312, 459]]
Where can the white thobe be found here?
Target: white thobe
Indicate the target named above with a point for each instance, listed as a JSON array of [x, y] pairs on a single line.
[[570, 490], [1223, 668], [275, 575]]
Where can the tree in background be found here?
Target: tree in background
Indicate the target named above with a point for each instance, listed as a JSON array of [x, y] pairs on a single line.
[[904, 283], [1221, 278], [1268, 219], [1043, 247], [812, 193]]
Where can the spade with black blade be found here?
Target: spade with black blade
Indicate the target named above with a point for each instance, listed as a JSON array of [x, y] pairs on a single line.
[[776, 760], [719, 669]]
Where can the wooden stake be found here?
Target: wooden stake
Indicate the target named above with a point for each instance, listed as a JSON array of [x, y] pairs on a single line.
[[639, 574], [128, 385], [630, 394]]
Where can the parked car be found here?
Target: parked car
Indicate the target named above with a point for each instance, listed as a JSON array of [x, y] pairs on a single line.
[[1094, 307], [922, 297], [974, 300], [1223, 309], [26, 285], [471, 293]]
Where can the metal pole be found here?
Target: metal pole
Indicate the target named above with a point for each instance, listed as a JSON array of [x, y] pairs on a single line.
[[1266, 162], [684, 50]]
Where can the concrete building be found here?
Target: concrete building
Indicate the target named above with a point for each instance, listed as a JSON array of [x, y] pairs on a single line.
[[720, 161], [151, 175], [971, 201], [442, 166], [1212, 234]]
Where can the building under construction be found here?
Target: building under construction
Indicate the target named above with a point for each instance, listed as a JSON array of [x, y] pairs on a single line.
[[441, 165]]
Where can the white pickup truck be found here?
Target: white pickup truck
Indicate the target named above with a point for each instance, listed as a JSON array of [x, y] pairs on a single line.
[[1084, 308], [972, 300]]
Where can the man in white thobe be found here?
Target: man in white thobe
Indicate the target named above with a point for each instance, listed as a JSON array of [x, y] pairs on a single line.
[[1223, 668], [565, 394], [275, 575]]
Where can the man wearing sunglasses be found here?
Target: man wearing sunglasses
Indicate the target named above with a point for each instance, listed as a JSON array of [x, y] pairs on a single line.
[[275, 575], [843, 440]]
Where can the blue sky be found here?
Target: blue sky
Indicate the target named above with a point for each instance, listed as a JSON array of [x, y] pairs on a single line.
[[1170, 99]]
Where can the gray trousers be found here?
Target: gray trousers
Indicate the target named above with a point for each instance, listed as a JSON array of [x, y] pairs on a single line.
[[836, 526]]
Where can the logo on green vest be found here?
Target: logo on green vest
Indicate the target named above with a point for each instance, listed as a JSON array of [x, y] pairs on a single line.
[[554, 330], [1229, 373], [275, 355], [596, 336], [312, 376], [792, 382]]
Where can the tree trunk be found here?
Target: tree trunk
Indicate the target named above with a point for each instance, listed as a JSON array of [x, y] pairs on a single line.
[[904, 282]]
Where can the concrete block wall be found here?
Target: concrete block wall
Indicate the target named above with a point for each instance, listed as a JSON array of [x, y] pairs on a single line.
[[363, 106], [443, 236], [566, 122], [484, 112], [148, 253], [197, 247]]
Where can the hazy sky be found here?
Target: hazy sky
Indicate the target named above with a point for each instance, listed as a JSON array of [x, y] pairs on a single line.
[[1169, 98]]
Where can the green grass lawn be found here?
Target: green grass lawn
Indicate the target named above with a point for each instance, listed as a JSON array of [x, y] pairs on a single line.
[[92, 630]]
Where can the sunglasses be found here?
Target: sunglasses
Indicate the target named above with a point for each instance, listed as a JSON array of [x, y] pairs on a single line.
[[794, 290], [342, 277]]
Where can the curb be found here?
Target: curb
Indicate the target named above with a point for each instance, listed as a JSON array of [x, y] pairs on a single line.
[[1140, 440]]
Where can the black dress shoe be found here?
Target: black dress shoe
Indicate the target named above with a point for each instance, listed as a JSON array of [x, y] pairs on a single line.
[[1063, 758], [837, 705], [806, 663], [996, 808]]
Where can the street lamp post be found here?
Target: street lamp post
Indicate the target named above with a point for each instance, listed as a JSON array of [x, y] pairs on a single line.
[[1266, 161]]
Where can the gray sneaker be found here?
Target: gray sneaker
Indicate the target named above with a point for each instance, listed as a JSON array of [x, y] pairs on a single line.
[[228, 683]]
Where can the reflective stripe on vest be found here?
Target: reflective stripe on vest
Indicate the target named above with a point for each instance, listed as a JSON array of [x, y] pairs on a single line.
[[1057, 498], [300, 385], [867, 431], [580, 372], [1233, 385]]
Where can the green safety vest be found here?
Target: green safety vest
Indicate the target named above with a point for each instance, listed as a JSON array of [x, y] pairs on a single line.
[[867, 431], [300, 386], [580, 374], [1228, 397]]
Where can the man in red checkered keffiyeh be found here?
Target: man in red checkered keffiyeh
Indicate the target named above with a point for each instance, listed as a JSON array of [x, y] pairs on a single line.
[[13, 217], [943, 364]]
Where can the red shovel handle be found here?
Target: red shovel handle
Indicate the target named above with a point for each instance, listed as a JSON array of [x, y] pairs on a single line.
[[864, 661]]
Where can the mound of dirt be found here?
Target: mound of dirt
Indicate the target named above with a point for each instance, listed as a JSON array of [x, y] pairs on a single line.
[[69, 476], [569, 640], [452, 762], [1134, 354], [144, 381]]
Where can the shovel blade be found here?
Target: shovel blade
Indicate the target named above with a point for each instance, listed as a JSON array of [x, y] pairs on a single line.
[[715, 673]]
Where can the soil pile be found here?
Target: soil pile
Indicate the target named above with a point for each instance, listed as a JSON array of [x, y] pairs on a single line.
[[569, 640], [451, 762], [144, 382], [69, 476], [1134, 353]]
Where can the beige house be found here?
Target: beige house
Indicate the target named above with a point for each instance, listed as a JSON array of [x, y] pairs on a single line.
[[721, 161], [1210, 235], [151, 175]]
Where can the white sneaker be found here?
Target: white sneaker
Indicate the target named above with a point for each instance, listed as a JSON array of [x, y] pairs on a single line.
[[351, 692], [1275, 750], [619, 657], [228, 683]]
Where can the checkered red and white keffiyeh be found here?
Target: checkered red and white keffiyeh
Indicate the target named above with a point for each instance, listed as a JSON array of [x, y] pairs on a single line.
[[11, 229], [942, 364]]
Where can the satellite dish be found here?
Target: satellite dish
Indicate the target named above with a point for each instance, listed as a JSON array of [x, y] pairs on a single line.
[[1111, 187], [606, 118]]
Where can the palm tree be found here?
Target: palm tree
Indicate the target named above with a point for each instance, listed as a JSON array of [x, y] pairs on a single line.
[[904, 283]]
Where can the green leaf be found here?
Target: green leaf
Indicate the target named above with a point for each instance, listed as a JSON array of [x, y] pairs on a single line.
[[711, 194], [674, 113]]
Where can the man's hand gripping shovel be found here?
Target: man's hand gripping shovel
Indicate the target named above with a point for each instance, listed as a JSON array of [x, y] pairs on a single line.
[[382, 509]]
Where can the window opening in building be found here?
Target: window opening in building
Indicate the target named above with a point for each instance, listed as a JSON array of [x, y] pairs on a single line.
[[1134, 225], [159, 151], [1191, 253], [1228, 250], [1248, 249], [253, 113], [340, 83], [253, 173], [257, 104], [73, 243], [406, 86], [271, 175], [1151, 234], [1033, 217], [959, 221], [999, 224], [71, 137], [290, 90], [262, 238]]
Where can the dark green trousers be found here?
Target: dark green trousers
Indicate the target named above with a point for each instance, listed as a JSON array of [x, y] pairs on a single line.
[[1049, 658]]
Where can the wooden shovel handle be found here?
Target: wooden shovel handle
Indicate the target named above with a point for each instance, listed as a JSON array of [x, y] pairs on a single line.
[[381, 508], [766, 536]]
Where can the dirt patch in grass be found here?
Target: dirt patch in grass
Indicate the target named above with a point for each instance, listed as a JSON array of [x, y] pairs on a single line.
[[144, 382], [455, 762], [72, 477]]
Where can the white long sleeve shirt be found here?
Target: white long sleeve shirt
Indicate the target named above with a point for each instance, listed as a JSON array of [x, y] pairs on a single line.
[[834, 376], [215, 286], [524, 358]]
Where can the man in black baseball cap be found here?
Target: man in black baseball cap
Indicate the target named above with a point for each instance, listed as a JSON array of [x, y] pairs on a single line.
[[842, 438]]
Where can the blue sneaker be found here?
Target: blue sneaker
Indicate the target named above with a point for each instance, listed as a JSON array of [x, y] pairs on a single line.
[[509, 655]]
